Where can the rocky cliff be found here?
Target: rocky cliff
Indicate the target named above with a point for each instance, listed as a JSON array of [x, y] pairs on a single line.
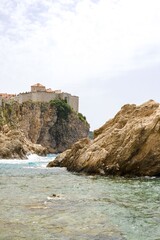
[[14, 144], [53, 125], [127, 145]]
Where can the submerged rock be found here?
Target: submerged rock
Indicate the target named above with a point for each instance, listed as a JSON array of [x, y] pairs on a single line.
[[127, 145]]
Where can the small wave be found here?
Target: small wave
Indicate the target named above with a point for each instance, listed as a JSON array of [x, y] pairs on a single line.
[[37, 206], [32, 161], [13, 161], [149, 177], [35, 158], [43, 166]]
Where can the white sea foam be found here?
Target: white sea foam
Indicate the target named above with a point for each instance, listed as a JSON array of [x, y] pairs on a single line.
[[55, 197], [13, 161], [32, 161]]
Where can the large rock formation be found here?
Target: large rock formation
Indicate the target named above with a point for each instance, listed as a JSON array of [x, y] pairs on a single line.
[[14, 144], [55, 127], [127, 145]]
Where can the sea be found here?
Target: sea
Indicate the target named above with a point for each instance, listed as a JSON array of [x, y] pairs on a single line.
[[40, 203]]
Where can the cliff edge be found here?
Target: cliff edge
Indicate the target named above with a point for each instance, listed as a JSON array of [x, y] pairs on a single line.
[[127, 145], [54, 125]]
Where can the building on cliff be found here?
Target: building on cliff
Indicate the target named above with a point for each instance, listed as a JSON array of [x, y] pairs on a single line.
[[39, 93]]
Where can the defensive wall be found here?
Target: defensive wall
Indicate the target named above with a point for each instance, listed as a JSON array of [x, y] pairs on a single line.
[[73, 101], [40, 94]]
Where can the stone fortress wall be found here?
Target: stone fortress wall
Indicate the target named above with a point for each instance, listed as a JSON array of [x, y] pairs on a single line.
[[40, 94]]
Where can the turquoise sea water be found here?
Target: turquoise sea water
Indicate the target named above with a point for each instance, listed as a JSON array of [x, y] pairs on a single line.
[[39, 203]]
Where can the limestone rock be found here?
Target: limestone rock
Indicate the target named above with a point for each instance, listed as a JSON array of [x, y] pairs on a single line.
[[127, 145], [59, 158], [14, 144], [40, 124]]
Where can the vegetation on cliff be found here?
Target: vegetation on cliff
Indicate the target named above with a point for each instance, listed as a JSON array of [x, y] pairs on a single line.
[[54, 125], [5, 114], [62, 108]]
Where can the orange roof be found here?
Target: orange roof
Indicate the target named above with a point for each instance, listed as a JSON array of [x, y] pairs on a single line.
[[5, 95], [49, 90], [37, 85]]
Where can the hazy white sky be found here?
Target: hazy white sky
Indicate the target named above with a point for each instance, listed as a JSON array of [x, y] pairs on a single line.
[[105, 51]]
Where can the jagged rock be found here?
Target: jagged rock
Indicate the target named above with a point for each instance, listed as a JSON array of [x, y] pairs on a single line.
[[59, 158], [127, 145], [14, 144]]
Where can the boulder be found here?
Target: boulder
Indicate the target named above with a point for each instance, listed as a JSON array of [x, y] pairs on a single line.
[[127, 145], [14, 144]]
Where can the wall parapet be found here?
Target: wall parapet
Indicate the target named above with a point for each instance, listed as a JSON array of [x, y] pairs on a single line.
[[40, 94]]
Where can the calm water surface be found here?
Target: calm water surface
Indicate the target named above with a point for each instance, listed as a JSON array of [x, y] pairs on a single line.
[[50, 203]]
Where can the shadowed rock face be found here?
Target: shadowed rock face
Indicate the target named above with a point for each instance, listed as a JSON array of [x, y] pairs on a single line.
[[127, 145]]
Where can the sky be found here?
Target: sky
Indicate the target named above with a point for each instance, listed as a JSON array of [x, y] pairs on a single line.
[[107, 52]]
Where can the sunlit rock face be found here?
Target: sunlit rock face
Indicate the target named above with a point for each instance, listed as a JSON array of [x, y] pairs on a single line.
[[42, 124], [127, 145], [14, 145]]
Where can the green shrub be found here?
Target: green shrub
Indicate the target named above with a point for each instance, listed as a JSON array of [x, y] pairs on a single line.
[[63, 109], [81, 117], [43, 107]]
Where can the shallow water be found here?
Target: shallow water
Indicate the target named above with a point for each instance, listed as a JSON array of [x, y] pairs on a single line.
[[50, 203]]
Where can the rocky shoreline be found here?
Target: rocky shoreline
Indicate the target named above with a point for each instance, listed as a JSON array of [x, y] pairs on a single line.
[[38, 127], [14, 145], [127, 145]]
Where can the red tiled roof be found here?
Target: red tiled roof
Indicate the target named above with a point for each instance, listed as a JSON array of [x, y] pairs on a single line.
[[5, 95], [49, 90], [37, 85]]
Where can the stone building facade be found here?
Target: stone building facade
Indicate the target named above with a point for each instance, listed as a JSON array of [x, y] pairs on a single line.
[[39, 93]]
